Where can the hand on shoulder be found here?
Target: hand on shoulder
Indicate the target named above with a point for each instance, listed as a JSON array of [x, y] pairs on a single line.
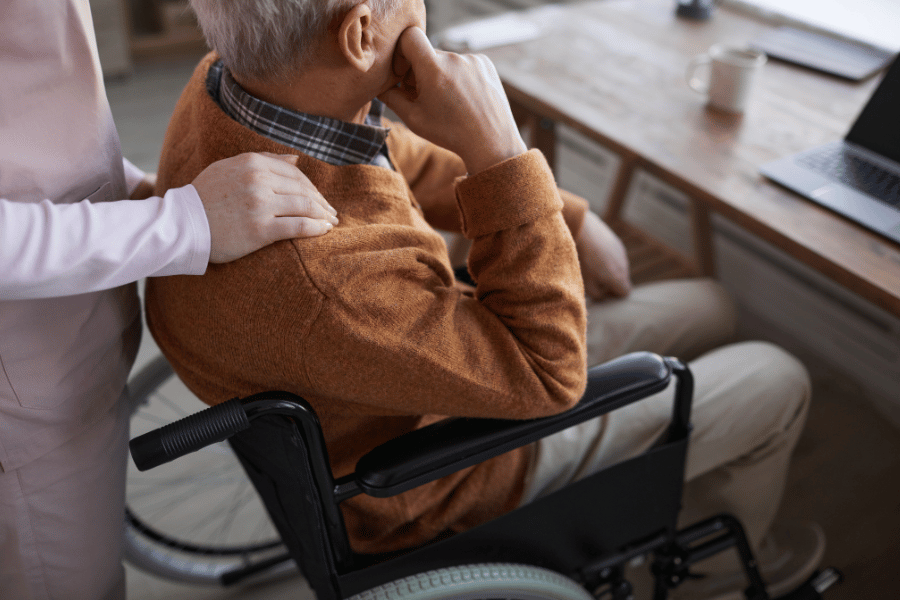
[[255, 199]]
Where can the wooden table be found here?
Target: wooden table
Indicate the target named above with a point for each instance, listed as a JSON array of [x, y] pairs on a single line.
[[614, 70]]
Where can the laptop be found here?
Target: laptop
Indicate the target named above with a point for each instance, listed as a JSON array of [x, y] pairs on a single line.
[[825, 53], [859, 176]]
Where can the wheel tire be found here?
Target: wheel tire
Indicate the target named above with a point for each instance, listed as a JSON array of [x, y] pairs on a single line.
[[159, 539], [480, 582]]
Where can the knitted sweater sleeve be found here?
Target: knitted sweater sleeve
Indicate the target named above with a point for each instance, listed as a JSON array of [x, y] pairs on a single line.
[[396, 337], [432, 172]]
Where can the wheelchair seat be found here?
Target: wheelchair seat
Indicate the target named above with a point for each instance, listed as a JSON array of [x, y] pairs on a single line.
[[573, 543]]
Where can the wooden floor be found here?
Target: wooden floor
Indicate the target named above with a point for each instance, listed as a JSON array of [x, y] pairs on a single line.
[[846, 470], [846, 475]]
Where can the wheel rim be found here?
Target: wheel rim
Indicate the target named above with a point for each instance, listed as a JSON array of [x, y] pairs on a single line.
[[196, 518]]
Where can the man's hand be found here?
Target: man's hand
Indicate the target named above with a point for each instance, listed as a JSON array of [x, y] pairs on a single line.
[[253, 200], [454, 101], [604, 263]]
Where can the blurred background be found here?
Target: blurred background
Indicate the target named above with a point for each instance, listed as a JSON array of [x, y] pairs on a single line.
[[130, 31]]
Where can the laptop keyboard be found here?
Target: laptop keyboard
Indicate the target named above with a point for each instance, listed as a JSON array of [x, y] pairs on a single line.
[[856, 172]]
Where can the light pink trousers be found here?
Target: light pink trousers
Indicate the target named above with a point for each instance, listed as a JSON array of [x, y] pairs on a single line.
[[749, 408], [61, 518]]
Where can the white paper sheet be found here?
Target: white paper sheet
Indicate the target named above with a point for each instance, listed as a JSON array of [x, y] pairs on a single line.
[[508, 28]]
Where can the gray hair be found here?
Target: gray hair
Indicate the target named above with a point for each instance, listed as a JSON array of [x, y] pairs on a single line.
[[265, 39]]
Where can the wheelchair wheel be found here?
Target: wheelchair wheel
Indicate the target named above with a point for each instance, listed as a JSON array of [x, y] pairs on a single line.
[[481, 582], [196, 519]]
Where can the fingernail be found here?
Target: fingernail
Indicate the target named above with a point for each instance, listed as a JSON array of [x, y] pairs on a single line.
[[333, 220], [328, 206]]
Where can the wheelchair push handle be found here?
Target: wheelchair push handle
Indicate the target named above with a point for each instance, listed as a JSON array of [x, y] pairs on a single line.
[[189, 434]]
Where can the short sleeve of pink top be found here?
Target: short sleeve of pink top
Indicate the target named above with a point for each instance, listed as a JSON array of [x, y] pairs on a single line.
[[70, 248]]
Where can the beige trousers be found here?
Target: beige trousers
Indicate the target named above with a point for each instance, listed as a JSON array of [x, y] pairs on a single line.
[[61, 518], [750, 404]]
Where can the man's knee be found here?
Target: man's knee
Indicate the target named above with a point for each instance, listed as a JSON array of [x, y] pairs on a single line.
[[750, 399]]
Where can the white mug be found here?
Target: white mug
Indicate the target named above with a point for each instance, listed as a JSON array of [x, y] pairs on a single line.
[[733, 71]]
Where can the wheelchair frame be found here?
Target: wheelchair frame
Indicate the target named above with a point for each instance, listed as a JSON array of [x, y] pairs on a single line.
[[625, 511]]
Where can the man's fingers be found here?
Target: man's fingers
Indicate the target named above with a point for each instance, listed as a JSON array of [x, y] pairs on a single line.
[[282, 228], [616, 284], [621, 287], [594, 290], [399, 101], [413, 56], [415, 48]]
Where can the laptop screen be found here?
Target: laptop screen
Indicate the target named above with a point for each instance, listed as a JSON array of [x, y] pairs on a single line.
[[878, 126]]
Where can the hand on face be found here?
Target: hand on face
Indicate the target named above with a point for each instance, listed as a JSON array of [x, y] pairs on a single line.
[[455, 101]]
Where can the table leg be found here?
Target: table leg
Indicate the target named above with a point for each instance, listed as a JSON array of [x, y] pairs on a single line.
[[704, 249], [616, 201]]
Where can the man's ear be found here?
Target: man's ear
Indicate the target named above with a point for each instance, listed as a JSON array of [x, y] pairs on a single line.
[[356, 37]]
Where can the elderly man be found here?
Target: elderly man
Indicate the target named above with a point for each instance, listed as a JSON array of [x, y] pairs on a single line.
[[368, 323]]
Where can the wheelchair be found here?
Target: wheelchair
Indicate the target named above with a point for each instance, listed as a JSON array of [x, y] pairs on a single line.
[[575, 543]]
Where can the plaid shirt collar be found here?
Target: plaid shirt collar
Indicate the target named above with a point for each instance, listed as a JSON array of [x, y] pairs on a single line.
[[330, 140]]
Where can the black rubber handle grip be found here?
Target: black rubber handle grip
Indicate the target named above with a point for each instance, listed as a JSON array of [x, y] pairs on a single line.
[[189, 434]]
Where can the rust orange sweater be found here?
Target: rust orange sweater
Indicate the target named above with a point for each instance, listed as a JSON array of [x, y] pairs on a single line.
[[366, 322]]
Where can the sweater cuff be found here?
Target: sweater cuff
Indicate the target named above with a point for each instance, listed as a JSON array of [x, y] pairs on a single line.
[[510, 194]]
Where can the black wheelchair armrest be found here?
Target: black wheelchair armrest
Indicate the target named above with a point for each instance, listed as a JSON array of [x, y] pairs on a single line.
[[456, 443]]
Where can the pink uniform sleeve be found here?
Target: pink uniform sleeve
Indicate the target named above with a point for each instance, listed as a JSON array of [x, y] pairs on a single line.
[[50, 250]]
